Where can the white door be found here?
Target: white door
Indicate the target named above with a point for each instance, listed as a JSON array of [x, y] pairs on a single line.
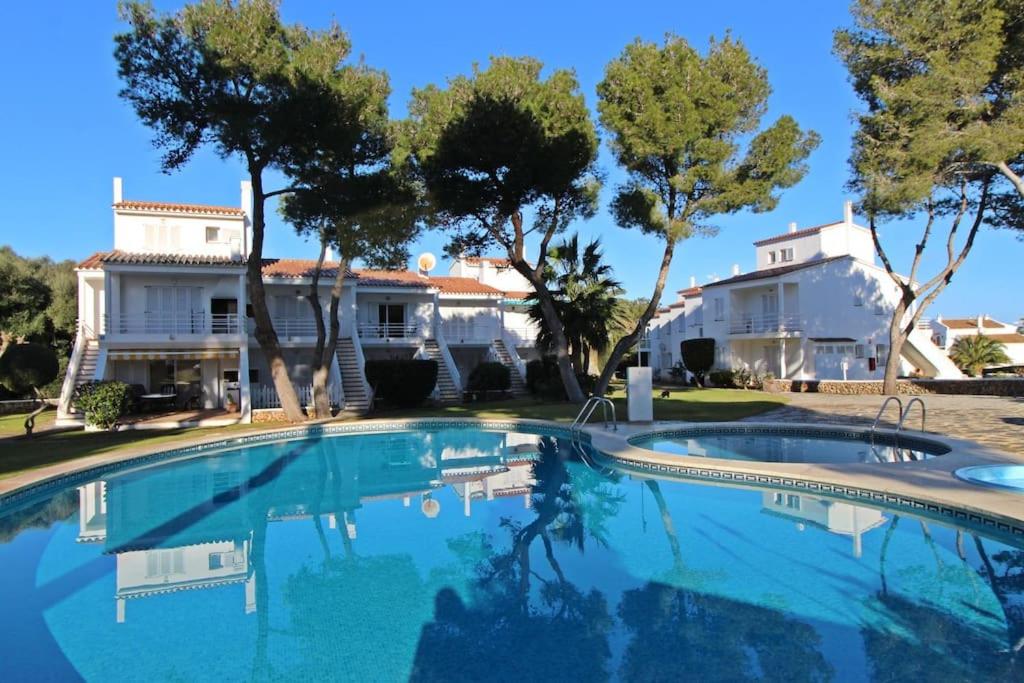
[[769, 311]]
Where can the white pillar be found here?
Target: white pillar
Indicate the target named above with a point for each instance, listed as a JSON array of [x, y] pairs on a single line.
[[250, 593], [121, 610], [466, 500], [105, 321], [436, 320], [782, 358]]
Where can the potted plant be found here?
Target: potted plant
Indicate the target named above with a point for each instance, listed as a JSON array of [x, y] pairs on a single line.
[[230, 405]]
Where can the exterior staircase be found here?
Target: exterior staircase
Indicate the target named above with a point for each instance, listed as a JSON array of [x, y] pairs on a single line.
[[445, 384], [518, 386], [356, 397], [86, 373]]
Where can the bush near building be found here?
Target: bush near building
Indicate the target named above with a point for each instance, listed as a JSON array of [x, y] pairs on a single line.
[[489, 377], [543, 380], [103, 403], [404, 383], [698, 356]]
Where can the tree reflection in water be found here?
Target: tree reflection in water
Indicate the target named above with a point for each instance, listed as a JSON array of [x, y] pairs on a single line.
[[509, 631]]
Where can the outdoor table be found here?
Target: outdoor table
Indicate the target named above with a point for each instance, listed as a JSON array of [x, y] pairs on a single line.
[[157, 399]]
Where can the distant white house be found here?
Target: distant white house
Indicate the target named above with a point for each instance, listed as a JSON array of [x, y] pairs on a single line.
[[945, 332], [816, 306], [167, 309]]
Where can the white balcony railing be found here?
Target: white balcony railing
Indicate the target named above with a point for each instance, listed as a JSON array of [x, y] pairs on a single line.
[[522, 336], [369, 332], [290, 328], [171, 324], [456, 331], [265, 395], [764, 324]]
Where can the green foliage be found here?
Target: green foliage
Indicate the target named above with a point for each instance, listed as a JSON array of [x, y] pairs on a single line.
[[103, 403], [585, 297], [25, 298], [723, 378], [677, 121], [698, 356], [942, 81], [544, 380], [404, 383], [489, 377], [489, 146], [975, 352], [26, 367]]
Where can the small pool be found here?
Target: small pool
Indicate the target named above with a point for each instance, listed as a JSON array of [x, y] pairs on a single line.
[[1009, 477], [787, 444], [462, 555]]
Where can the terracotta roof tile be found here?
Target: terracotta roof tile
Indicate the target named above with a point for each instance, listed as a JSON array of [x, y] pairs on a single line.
[[118, 257], [690, 291], [793, 235], [519, 296], [1012, 338], [677, 304], [391, 278], [774, 272], [171, 207], [969, 323], [299, 268], [461, 285]]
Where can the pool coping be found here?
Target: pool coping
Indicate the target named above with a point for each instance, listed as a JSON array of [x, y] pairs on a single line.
[[927, 487]]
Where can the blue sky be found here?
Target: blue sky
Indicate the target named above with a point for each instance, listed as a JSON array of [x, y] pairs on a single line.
[[65, 132]]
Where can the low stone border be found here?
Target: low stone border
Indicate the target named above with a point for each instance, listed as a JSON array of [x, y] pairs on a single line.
[[985, 386]]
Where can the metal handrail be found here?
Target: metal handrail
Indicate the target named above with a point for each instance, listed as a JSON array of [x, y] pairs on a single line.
[[881, 411], [906, 411], [588, 410]]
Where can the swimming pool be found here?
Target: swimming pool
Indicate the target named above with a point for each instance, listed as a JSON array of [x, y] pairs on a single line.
[[460, 554], [761, 443]]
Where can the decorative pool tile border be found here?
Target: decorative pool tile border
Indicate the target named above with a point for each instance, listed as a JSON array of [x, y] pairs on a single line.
[[887, 438], [1011, 529], [32, 492]]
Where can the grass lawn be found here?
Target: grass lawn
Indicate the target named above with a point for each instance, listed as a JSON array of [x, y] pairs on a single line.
[[18, 454]]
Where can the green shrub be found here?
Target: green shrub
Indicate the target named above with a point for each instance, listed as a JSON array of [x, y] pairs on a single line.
[[404, 383], [698, 356], [489, 377], [103, 403], [27, 367], [544, 380], [723, 377]]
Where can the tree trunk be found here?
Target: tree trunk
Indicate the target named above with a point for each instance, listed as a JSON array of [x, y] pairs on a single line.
[[896, 340], [558, 339], [630, 340], [30, 421], [327, 357], [321, 373], [266, 336]]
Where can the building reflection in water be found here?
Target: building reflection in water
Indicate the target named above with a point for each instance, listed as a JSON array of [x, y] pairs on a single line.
[[187, 526], [833, 516]]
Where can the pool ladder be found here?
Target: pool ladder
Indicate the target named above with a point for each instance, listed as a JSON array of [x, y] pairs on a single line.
[[903, 412], [576, 429]]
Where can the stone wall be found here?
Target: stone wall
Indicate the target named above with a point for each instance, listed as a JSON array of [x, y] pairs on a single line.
[[25, 406], [273, 415], [1003, 386]]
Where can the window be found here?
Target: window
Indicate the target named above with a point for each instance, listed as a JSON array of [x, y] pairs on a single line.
[[771, 257], [212, 234], [882, 353], [793, 502], [719, 308], [879, 310], [786, 254], [254, 376], [779, 498], [231, 375], [858, 300], [858, 351]]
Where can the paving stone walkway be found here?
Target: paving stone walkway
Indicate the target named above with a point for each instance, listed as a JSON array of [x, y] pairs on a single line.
[[995, 421]]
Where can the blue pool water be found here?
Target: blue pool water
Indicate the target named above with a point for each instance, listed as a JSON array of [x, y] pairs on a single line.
[[772, 446], [465, 555]]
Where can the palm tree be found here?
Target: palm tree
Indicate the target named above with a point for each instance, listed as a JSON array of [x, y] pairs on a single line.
[[972, 354], [585, 299]]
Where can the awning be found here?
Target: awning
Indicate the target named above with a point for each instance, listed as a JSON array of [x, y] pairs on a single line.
[[163, 354], [848, 340]]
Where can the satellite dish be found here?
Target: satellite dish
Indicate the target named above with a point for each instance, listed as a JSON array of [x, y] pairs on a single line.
[[426, 262]]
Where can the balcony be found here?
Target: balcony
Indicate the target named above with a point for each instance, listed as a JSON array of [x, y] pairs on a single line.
[[522, 336], [388, 332], [458, 331], [765, 325], [164, 324]]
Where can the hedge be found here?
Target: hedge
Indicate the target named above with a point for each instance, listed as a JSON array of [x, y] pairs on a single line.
[[489, 377], [543, 379], [103, 403], [404, 383], [698, 356], [26, 367]]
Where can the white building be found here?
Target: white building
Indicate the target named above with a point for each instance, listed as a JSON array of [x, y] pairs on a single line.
[[815, 307], [167, 309], [945, 332]]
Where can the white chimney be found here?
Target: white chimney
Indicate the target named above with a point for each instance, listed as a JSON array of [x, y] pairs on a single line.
[[118, 192], [848, 212], [792, 226], [246, 199], [735, 269], [693, 281], [981, 322]]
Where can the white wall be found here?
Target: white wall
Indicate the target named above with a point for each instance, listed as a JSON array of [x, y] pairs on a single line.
[[155, 233]]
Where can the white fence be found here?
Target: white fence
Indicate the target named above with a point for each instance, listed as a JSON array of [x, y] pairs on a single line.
[[265, 395]]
